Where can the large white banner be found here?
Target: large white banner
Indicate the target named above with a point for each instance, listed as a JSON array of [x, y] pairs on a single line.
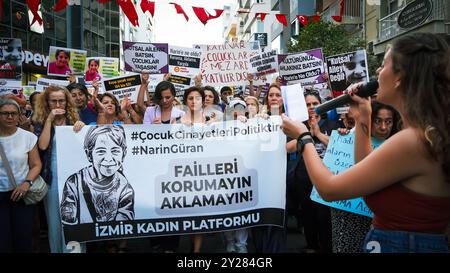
[[139, 181]]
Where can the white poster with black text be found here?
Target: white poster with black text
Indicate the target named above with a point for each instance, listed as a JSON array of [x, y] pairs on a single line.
[[130, 181]]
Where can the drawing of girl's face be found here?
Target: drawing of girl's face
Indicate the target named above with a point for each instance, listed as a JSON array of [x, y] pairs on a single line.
[[107, 156]]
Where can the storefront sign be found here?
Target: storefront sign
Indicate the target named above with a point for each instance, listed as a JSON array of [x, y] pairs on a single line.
[[415, 13]]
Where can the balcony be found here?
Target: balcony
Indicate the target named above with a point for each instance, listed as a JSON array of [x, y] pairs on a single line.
[[389, 28]]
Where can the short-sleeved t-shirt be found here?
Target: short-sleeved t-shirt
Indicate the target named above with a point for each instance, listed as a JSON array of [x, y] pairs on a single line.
[[16, 149]]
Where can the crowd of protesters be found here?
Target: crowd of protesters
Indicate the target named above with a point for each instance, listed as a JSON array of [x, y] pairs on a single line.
[[407, 202]]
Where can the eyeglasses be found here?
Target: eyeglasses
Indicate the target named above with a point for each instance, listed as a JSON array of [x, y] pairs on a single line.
[[57, 102], [379, 121], [7, 114]]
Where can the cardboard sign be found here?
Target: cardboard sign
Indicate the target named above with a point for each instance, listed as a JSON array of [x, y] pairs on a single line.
[[304, 67], [264, 63], [227, 64], [149, 57], [101, 68], [11, 61], [346, 69], [123, 85], [340, 156], [64, 61], [43, 83]]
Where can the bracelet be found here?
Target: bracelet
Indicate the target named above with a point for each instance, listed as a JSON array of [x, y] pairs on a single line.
[[126, 117], [304, 134]]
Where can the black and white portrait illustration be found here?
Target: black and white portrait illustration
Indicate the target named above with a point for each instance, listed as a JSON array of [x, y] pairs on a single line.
[[99, 192], [356, 69], [10, 58]]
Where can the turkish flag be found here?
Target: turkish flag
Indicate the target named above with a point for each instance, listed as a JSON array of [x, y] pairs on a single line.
[[149, 6], [180, 10], [129, 10], [315, 18], [204, 16], [262, 15], [302, 19], [281, 18]]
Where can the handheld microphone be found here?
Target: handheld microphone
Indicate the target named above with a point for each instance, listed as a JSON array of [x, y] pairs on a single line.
[[366, 90]]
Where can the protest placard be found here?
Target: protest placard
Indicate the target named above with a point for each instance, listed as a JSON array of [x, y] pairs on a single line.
[[228, 64], [11, 61], [339, 157], [304, 67], [122, 86], [345, 69], [43, 83], [64, 61], [101, 68], [149, 57], [264, 63]]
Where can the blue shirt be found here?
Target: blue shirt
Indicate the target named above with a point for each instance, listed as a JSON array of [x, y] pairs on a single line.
[[87, 115], [116, 122]]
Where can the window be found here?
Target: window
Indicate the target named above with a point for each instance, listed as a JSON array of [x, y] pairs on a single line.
[[86, 17], [6, 16], [22, 35], [61, 44], [115, 35], [47, 5], [60, 29], [115, 51], [87, 39], [101, 11], [4, 31], [49, 24], [101, 27], [47, 43], [94, 41], [19, 16], [94, 7], [86, 3], [115, 19], [35, 42], [95, 23], [101, 45]]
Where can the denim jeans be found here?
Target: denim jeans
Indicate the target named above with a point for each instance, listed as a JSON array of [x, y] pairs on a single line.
[[382, 241]]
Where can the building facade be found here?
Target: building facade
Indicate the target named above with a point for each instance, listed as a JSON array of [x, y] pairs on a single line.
[[144, 32], [90, 26], [399, 17]]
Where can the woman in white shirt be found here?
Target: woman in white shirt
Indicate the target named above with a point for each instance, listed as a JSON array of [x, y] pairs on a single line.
[[20, 148]]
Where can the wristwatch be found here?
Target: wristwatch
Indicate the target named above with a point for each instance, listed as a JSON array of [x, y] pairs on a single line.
[[29, 181], [302, 140]]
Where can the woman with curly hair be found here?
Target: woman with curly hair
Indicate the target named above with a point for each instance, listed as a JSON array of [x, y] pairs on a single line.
[[55, 107], [406, 181]]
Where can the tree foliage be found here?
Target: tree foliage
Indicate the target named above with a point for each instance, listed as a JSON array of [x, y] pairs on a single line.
[[333, 39]]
